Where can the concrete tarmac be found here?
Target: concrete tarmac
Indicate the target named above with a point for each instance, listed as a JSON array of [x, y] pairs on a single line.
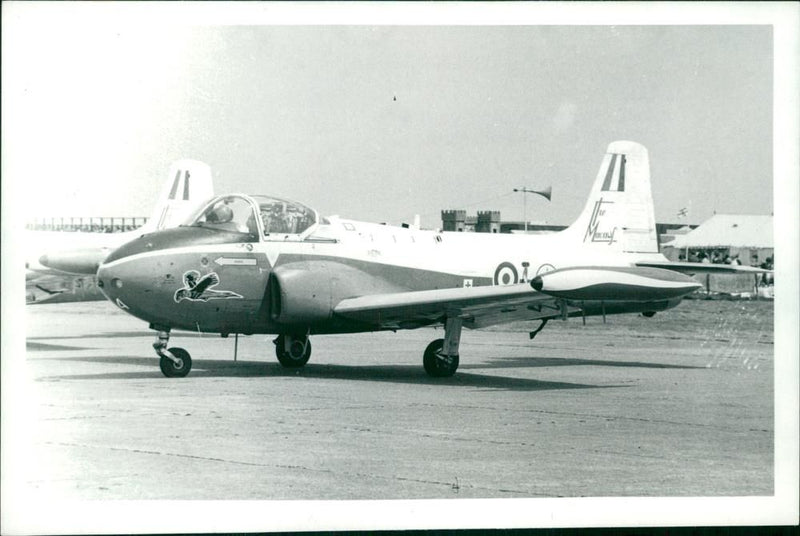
[[677, 405]]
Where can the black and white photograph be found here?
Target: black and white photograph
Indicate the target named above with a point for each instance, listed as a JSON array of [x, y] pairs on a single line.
[[356, 266]]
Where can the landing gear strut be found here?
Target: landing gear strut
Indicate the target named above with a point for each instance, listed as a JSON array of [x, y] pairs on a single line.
[[175, 362], [292, 351], [441, 356]]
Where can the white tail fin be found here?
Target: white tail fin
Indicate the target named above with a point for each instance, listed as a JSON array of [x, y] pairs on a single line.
[[188, 183], [619, 215]]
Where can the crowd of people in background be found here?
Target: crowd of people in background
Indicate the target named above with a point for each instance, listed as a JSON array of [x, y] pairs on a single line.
[[722, 257], [715, 257]]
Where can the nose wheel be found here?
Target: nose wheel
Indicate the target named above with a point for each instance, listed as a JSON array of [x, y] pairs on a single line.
[[177, 367], [175, 362]]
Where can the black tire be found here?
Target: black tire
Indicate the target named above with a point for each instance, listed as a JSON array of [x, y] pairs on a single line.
[[435, 366], [172, 370], [290, 359], [279, 343]]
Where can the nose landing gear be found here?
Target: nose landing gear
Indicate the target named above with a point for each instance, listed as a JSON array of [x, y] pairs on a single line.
[[175, 362]]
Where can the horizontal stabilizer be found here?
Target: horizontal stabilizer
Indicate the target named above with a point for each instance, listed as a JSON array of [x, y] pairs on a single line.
[[705, 268]]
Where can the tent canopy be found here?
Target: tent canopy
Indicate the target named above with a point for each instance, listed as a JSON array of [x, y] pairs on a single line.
[[729, 230]]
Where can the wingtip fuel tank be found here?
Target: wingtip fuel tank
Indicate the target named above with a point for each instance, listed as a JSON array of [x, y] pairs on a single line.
[[614, 283], [83, 261]]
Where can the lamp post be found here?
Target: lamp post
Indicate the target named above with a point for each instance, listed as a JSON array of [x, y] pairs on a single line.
[[544, 193]]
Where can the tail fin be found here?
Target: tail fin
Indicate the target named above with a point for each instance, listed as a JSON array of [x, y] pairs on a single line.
[[619, 215], [188, 183]]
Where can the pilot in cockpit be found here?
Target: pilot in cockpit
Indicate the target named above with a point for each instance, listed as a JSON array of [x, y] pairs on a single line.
[[221, 213], [280, 217], [273, 219]]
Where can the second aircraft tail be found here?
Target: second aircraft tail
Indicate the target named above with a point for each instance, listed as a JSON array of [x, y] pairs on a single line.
[[188, 183]]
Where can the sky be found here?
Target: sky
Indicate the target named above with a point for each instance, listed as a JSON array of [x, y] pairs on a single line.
[[382, 122]]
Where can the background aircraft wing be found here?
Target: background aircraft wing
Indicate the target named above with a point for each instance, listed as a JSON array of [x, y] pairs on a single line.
[[702, 268], [477, 306], [60, 288]]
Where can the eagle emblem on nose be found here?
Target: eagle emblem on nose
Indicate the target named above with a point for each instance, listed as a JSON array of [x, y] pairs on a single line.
[[197, 288]]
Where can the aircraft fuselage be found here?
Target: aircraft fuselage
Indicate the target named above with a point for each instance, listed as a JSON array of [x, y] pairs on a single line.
[[278, 284]]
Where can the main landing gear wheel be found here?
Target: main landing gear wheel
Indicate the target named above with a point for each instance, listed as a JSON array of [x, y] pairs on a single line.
[[178, 368], [292, 352], [436, 364]]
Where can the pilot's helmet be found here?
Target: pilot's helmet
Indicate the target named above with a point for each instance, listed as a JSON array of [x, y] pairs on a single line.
[[221, 214]]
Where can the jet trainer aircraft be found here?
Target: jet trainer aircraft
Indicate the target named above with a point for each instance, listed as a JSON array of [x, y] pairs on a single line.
[[257, 264], [60, 266]]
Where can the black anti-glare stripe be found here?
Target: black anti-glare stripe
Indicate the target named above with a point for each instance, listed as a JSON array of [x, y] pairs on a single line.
[[621, 174], [609, 173]]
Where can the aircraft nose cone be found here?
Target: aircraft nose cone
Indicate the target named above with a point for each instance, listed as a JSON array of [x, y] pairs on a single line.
[[536, 283], [104, 280], [110, 279]]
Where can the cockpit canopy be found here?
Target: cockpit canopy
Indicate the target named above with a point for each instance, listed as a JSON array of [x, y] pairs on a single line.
[[257, 215]]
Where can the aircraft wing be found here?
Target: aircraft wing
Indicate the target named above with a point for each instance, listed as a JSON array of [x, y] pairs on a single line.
[[548, 295], [702, 268], [64, 288], [477, 306]]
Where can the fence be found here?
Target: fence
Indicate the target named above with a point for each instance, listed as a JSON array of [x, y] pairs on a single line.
[[87, 225]]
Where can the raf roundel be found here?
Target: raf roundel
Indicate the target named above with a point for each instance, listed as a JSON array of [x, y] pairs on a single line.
[[505, 274]]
